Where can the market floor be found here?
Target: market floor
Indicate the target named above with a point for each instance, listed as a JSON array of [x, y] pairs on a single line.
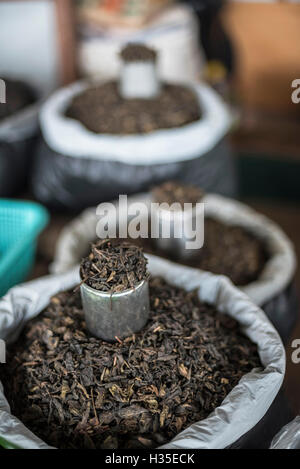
[[286, 215]]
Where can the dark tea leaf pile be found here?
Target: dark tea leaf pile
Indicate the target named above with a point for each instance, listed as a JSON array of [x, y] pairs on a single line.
[[228, 250], [174, 192], [135, 52], [76, 391], [232, 251], [102, 110], [113, 267]]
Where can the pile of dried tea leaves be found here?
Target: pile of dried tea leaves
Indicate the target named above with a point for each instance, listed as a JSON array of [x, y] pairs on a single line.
[[135, 52], [113, 266], [232, 251], [228, 250], [102, 110], [76, 391], [174, 192]]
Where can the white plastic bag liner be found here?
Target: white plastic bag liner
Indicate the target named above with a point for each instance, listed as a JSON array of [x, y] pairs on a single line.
[[288, 437], [240, 411], [70, 137], [277, 274], [174, 34]]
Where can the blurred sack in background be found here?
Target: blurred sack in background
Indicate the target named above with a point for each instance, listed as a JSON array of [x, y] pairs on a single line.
[[174, 32], [75, 168], [122, 13]]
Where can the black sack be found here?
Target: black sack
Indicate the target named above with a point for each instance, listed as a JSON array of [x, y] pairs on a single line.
[[72, 183]]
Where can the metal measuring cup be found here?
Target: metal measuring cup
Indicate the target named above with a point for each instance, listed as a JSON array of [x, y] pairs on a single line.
[[113, 316], [139, 79], [178, 220]]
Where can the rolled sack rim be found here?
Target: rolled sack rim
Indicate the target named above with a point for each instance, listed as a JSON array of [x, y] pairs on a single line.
[[69, 137]]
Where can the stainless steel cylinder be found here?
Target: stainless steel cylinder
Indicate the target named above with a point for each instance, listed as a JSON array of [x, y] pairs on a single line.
[[178, 238], [139, 80], [110, 316]]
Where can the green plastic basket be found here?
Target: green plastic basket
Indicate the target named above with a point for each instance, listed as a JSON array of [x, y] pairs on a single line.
[[20, 224]]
